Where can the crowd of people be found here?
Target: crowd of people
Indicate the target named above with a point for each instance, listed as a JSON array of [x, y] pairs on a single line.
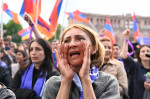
[[80, 65]]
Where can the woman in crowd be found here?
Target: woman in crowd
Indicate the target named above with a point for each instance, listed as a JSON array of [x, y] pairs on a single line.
[[4, 56], [22, 62], [113, 66], [54, 44], [138, 69], [31, 83], [78, 57]]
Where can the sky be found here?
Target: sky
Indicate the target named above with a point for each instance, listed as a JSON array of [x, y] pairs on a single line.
[[107, 7]]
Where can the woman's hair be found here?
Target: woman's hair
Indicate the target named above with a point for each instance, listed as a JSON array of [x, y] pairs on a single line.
[[105, 38], [97, 59], [138, 52], [23, 53], [47, 64]]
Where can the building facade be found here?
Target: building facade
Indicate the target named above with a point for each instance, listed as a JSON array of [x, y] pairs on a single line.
[[118, 22]]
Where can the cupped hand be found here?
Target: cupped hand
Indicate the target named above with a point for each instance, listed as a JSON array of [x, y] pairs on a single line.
[[62, 62], [85, 69]]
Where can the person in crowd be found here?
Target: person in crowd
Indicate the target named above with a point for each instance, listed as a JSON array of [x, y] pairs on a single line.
[[138, 69], [116, 52], [4, 56], [5, 77], [6, 42], [113, 66], [54, 44], [22, 61], [14, 47], [32, 81], [9, 38], [78, 57], [37, 35], [6, 93], [12, 54], [24, 45], [54, 47]]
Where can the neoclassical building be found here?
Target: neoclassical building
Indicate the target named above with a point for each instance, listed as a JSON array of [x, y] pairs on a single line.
[[118, 22]]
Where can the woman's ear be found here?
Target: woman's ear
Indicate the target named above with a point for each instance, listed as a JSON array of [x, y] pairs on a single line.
[[93, 51]]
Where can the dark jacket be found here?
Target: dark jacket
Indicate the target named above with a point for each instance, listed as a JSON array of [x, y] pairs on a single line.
[[6, 58], [6, 93], [5, 76], [136, 78], [27, 93]]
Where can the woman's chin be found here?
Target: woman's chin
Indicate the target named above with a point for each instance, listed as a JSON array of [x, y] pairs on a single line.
[[76, 63]]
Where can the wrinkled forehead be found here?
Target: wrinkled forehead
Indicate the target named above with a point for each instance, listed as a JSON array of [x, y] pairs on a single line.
[[75, 32]]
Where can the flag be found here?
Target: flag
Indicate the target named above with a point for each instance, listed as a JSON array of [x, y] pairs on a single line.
[[27, 6], [149, 33], [24, 33], [34, 13], [109, 31], [135, 28], [43, 27], [54, 18], [14, 16], [34, 10], [77, 15], [143, 40]]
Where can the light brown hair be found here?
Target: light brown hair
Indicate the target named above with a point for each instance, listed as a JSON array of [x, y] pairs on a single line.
[[97, 59]]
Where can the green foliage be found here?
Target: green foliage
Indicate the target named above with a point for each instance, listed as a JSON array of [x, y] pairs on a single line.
[[12, 29]]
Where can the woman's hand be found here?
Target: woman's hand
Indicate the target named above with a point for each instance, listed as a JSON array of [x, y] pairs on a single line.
[[147, 85], [28, 19], [85, 69], [62, 62], [126, 34]]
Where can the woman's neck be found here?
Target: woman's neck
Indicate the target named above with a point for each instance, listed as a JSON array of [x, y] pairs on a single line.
[[146, 64], [37, 65]]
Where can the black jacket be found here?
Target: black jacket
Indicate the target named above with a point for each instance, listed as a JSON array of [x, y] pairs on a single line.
[[5, 76], [26, 93], [6, 58]]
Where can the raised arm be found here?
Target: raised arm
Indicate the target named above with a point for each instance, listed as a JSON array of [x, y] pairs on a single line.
[[125, 44], [29, 20]]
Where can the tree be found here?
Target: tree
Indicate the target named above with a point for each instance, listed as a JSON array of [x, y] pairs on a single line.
[[12, 29]]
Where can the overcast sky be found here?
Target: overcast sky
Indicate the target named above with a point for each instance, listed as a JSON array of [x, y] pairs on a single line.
[[111, 7]]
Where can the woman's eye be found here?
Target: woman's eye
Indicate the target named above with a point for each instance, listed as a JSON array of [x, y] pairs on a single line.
[[65, 41], [81, 38], [148, 51], [142, 51], [38, 49]]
